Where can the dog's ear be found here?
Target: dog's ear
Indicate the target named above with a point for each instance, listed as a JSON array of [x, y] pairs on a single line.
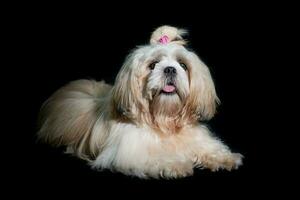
[[127, 92], [202, 100]]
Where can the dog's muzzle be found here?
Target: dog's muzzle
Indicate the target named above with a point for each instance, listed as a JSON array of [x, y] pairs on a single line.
[[170, 73]]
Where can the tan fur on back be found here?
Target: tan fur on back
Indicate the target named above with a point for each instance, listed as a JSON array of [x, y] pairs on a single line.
[[69, 115]]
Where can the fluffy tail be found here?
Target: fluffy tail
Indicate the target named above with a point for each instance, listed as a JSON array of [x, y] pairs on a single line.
[[68, 116]]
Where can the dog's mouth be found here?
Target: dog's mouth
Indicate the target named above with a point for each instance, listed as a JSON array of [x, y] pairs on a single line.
[[168, 89]]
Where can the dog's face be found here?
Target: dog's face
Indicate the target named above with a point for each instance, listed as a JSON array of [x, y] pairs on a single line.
[[164, 81], [166, 86]]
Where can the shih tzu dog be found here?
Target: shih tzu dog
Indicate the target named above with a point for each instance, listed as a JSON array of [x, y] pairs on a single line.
[[149, 123]]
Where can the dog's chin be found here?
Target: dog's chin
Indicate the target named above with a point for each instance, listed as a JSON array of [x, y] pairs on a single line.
[[166, 101]]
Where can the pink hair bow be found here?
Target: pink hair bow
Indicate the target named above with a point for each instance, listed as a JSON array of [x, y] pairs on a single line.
[[164, 39]]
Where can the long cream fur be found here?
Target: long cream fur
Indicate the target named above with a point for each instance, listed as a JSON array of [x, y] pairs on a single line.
[[133, 128]]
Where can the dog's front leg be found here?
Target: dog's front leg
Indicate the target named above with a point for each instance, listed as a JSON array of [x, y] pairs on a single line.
[[211, 153]]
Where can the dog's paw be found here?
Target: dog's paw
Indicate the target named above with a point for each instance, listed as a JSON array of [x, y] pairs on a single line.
[[234, 161], [176, 171], [226, 161]]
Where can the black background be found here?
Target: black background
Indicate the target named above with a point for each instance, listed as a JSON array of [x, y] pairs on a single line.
[[57, 44]]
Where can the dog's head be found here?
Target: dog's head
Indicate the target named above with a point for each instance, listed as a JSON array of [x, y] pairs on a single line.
[[163, 82]]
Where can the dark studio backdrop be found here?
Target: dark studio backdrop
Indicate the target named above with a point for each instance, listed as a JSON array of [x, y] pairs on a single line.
[[57, 46]]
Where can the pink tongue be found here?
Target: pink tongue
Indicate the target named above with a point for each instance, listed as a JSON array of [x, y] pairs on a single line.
[[169, 88]]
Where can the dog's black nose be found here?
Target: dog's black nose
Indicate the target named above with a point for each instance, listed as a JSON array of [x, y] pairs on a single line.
[[170, 71]]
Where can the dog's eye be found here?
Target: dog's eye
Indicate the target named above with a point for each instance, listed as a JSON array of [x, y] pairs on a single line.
[[152, 65], [183, 65]]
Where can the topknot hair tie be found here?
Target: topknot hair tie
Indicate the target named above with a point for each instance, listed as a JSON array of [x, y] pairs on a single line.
[[164, 39]]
